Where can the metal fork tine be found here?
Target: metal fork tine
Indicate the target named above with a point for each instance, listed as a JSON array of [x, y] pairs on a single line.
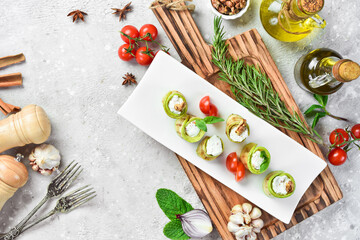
[[69, 176], [66, 173], [70, 180], [78, 194], [77, 190], [80, 198], [62, 172], [82, 202]]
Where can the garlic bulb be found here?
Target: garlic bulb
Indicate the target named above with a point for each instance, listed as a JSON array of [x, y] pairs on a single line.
[[196, 223], [245, 221], [45, 159]]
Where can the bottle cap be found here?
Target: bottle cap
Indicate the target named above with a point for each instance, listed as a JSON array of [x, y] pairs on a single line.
[[346, 70], [311, 6]]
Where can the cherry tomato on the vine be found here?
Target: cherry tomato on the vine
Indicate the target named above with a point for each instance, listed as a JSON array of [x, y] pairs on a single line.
[[144, 56], [337, 156], [205, 105], [232, 162], [151, 29], [355, 131], [124, 52], [213, 110], [131, 31], [338, 136], [240, 172], [161, 51]]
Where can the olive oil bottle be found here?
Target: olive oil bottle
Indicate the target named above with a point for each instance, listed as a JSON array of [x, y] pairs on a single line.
[[324, 71], [291, 20]]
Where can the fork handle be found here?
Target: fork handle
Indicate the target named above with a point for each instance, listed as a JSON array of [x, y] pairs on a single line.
[[52, 212]]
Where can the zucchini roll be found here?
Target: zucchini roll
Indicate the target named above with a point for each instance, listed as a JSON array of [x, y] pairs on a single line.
[[279, 184], [175, 104], [210, 148], [187, 129], [255, 158], [237, 130]]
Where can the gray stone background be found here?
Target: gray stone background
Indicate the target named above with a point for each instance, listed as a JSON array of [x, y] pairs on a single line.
[[73, 71]]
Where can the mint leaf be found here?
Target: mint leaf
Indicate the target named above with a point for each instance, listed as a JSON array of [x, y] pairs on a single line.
[[317, 117], [325, 100], [312, 108], [173, 230], [171, 203], [201, 124], [264, 166], [212, 119]]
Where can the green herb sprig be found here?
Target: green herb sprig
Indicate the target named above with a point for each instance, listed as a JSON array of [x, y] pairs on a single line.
[[201, 123], [319, 111], [173, 205], [253, 89]]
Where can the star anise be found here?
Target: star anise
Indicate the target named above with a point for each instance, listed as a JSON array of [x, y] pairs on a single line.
[[77, 14], [128, 79], [122, 11]]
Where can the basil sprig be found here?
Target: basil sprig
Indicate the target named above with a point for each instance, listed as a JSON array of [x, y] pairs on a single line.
[[201, 123]]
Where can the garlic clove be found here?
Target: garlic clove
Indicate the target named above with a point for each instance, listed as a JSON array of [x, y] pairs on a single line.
[[240, 238], [236, 209], [232, 227], [45, 158], [251, 236], [257, 223], [243, 231], [247, 218], [255, 213], [237, 218], [256, 230], [35, 167], [247, 207]]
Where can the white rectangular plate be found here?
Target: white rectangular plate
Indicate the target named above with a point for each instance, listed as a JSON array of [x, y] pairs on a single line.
[[144, 109]]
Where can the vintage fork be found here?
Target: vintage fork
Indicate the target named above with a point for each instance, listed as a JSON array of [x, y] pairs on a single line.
[[57, 186]]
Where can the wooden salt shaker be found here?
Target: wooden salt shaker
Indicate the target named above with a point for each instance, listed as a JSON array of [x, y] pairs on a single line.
[[30, 125]]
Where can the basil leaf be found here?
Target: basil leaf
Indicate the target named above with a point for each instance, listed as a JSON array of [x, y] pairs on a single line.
[[212, 119], [312, 108], [264, 165], [201, 124], [173, 230], [319, 98], [325, 100], [171, 203], [317, 117]]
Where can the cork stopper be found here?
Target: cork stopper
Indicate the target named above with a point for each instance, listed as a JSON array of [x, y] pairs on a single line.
[[346, 70], [311, 6]]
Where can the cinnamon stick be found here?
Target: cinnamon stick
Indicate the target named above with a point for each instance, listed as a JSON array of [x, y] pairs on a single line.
[[7, 108], [9, 80], [9, 60]]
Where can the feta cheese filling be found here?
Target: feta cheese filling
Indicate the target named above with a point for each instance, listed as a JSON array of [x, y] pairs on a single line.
[[257, 160], [174, 101], [238, 138], [279, 184], [214, 146], [192, 130]]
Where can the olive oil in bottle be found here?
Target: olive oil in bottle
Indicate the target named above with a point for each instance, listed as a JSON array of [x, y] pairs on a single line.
[[324, 71], [291, 20]]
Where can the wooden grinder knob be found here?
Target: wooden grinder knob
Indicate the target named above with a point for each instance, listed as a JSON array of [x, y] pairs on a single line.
[[30, 125], [346, 70]]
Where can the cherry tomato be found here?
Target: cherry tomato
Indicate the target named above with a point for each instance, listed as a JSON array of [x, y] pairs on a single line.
[[131, 31], [143, 56], [213, 110], [240, 172], [232, 162], [355, 131], [338, 136], [148, 28], [337, 156], [124, 54], [205, 105]]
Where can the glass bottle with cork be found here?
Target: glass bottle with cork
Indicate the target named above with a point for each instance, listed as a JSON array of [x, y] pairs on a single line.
[[324, 71], [291, 20]]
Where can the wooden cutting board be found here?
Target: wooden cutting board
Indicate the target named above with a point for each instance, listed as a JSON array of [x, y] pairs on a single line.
[[217, 198]]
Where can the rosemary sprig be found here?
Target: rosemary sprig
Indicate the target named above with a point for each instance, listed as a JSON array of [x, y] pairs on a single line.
[[253, 89]]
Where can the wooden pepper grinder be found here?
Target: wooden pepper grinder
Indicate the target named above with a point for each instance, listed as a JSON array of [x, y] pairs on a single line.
[[30, 125], [13, 175]]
